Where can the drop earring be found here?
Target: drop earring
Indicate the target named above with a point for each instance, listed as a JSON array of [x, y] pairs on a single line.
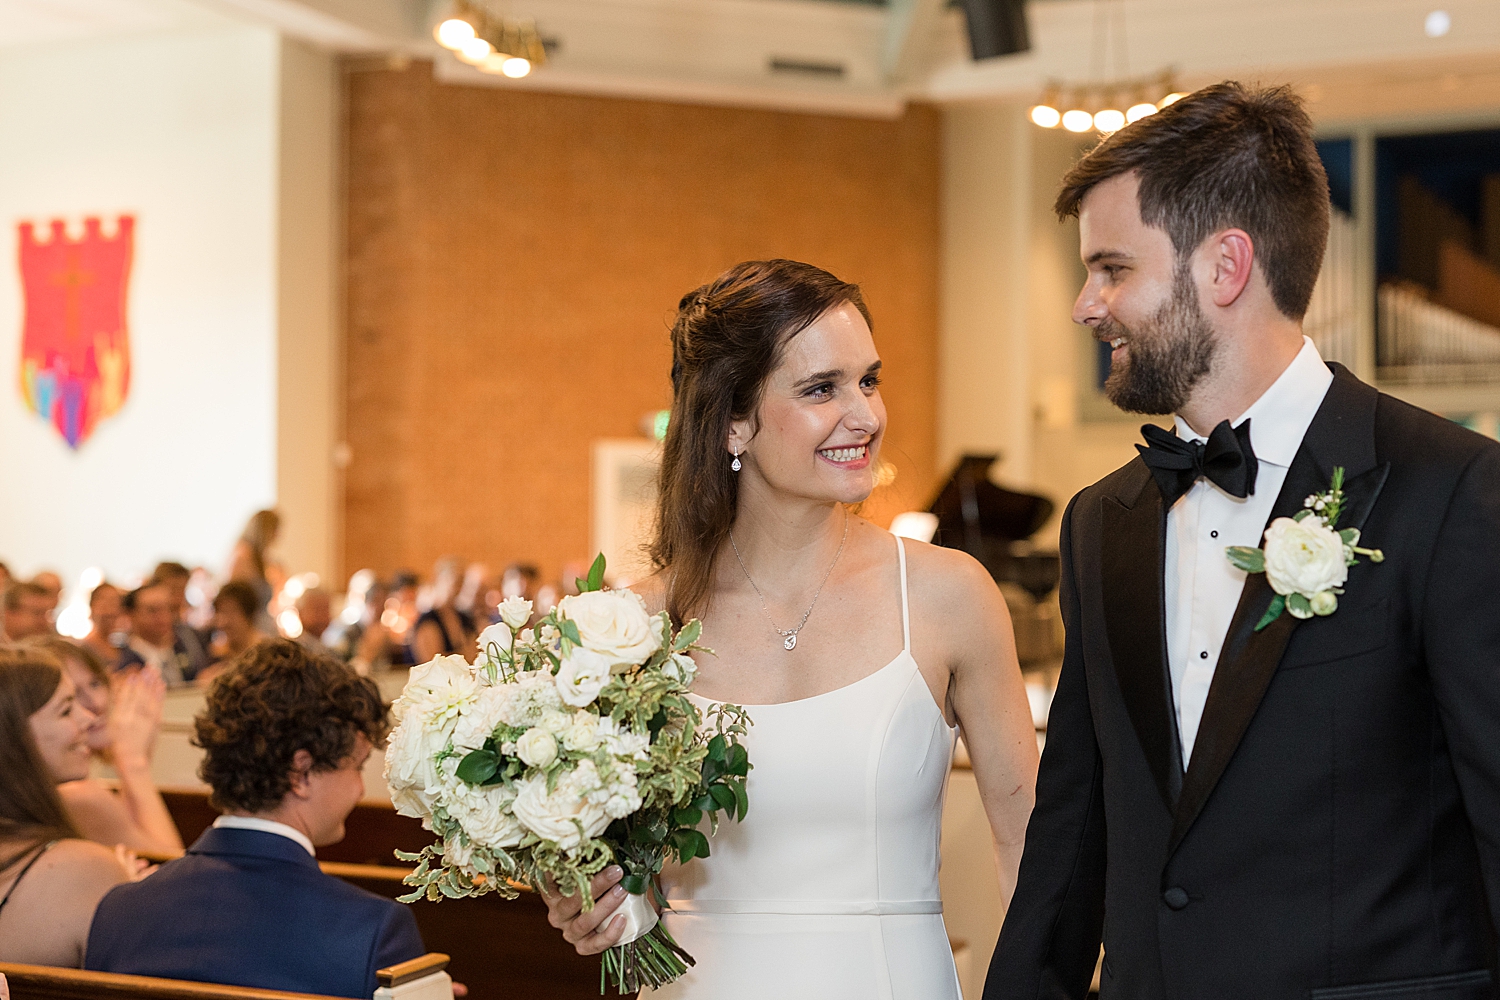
[[735, 465]]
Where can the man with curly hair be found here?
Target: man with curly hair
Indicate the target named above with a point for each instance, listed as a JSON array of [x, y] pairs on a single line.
[[285, 735]]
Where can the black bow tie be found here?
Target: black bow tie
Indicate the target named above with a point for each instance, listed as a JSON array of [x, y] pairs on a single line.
[[1226, 459]]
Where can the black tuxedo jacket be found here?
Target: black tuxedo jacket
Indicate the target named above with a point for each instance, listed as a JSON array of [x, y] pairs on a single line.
[[1337, 833]]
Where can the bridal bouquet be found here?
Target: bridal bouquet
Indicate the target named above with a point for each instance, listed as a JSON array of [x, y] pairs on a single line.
[[563, 749]]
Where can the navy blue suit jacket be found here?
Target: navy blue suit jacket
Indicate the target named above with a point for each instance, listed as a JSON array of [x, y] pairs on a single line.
[[247, 908]]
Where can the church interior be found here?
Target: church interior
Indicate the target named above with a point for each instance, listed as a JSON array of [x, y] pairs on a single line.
[[402, 274]]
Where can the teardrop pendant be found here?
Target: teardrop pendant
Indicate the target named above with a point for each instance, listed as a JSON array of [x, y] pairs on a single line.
[[791, 641], [735, 465]]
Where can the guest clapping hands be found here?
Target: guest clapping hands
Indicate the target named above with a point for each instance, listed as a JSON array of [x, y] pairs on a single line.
[[51, 880], [127, 716]]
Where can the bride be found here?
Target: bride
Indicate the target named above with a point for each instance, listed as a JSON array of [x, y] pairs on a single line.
[[858, 655]]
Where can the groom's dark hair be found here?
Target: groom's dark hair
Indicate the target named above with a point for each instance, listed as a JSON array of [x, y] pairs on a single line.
[[1221, 157]]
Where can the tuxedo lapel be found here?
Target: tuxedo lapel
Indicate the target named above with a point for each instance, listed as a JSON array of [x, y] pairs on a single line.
[[1341, 434], [1134, 534]]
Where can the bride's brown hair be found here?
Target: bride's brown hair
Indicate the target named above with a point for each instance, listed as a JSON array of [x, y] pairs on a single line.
[[729, 336]]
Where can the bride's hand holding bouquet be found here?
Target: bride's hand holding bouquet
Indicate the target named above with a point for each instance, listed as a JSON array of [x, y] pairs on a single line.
[[569, 758]]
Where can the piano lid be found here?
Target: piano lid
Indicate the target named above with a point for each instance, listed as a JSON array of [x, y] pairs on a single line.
[[971, 509]]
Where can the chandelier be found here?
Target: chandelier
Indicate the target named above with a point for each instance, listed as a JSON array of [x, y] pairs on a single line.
[[500, 45], [1107, 102], [1105, 107]]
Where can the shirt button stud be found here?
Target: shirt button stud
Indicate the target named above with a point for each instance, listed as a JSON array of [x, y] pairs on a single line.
[[1203, 655], [1213, 534], [1175, 897]]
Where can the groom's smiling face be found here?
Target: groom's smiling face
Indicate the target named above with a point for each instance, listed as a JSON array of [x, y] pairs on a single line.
[[1142, 300]]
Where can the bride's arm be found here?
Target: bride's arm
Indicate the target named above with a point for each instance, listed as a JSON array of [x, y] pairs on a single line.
[[989, 699]]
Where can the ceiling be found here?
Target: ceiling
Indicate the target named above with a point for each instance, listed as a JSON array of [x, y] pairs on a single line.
[[1352, 58]]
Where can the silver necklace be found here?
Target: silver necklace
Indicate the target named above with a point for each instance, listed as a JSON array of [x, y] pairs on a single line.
[[789, 635]]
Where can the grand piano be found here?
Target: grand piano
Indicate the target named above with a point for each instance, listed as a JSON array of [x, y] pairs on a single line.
[[995, 526]]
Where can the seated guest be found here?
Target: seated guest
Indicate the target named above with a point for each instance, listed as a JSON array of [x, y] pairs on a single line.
[[127, 716], [53, 585], [443, 628], [106, 614], [175, 577], [359, 638], [26, 606], [234, 625], [284, 736], [315, 612], [153, 641], [50, 879]]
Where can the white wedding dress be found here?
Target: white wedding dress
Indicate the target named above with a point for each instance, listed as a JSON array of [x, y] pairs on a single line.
[[829, 888]]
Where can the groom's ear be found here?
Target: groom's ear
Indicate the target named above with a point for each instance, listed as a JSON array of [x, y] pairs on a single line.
[[1228, 257]]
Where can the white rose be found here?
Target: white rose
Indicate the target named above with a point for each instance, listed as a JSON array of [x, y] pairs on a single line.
[[555, 722], [558, 816], [437, 690], [515, 612], [499, 634], [485, 813], [680, 668], [537, 747], [582, 676], [410, 769], [613, 623], [1304, 557], [480, 717], [582, 732]]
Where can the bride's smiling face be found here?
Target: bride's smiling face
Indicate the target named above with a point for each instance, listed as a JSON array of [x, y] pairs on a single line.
[[821, 418]]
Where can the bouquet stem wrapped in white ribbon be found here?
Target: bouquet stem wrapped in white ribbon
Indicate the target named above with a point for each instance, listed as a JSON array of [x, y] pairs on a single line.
[[563, 749]]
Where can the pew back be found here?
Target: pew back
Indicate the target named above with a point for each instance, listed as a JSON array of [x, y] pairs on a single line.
[[39, 982]]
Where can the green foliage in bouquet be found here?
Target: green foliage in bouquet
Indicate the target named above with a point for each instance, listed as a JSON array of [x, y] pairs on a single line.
[[564, 749]]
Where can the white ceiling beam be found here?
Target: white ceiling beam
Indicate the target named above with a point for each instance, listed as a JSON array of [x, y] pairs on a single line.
[[339, 25], [1262, 40], [909, 27]]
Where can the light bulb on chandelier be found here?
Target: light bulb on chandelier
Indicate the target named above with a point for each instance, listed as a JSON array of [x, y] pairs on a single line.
[[1077, 120], [475, 51], [1046, 116], [1109, 120], [453, 33], [1136, 112]]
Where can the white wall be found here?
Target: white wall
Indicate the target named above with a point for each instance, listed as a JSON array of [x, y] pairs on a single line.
[[186, 132]]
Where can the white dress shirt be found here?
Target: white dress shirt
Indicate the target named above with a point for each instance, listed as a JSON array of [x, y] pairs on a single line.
[[1202, 589], [266, 826]]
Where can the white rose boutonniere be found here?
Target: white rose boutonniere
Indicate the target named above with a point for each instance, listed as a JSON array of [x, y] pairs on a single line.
[[1306, 558]]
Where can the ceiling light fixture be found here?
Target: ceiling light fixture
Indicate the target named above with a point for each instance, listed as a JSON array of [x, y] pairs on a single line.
[[500, 46], [1438, 24], [1096, 105]]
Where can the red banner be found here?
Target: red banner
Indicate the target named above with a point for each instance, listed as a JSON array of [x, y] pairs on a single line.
[[75, 348]]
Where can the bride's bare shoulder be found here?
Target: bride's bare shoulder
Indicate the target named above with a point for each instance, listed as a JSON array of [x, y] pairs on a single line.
[[653, 590], [950, 580]]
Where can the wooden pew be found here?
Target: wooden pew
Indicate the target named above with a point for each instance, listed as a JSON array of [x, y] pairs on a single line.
[[43, 982], [500, 948]]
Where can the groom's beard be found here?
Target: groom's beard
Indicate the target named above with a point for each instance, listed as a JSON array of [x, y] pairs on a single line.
[[1167, 354]]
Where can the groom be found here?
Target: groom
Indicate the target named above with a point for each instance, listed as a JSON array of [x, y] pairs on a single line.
[[1309, 809]]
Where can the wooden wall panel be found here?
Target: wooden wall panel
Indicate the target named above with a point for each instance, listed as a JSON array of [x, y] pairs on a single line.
[[514, 262]]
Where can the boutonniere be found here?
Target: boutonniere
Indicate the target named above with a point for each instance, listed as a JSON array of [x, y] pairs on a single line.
[[1306, 558]]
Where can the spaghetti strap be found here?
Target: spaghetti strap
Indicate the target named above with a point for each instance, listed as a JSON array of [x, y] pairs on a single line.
[[34, 859], [905, 612]]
